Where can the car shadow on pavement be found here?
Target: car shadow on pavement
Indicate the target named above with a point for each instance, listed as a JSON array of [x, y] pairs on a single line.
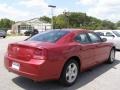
[[83, 79]]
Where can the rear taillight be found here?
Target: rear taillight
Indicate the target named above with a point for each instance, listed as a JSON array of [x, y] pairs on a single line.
[[40, 54], [9, 49]]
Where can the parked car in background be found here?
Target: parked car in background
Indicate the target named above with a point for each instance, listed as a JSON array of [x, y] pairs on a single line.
[[31, 32], [58, 54], [111, 36], [28, 33], [2, 33], [34, 32], [23, 31]]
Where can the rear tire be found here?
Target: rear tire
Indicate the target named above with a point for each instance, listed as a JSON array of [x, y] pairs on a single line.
[[111, 56], [70, 73]]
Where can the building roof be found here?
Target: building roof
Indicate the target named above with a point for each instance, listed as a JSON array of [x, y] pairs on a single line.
[[34, 21]]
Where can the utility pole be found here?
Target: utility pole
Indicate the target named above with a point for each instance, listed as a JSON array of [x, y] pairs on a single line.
[[67, 17], [52, 7]]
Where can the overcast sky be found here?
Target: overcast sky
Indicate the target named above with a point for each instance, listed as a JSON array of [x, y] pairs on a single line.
[[28, 9]]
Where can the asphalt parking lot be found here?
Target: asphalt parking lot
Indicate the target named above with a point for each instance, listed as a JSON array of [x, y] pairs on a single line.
[[102, 77]]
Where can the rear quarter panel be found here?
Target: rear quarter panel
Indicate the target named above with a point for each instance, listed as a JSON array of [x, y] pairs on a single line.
[[57, 57]]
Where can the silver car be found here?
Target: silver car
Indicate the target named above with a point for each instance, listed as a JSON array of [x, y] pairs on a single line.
[[111, 36], [2, 33]]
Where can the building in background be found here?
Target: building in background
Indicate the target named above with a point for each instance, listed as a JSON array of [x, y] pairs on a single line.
[[22, 26]]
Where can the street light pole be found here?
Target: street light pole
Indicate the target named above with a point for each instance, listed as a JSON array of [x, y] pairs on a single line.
[[67, 14], [52, 21]]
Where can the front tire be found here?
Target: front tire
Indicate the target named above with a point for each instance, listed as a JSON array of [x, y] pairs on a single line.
[[4, 36], [70, 73], [111, 56]]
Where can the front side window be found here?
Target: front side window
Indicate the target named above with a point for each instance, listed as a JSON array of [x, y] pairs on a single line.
[[49, 36], [94, 38], [82, 38]]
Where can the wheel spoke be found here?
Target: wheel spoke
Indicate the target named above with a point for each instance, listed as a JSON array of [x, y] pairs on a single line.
[[71, 72], [73, 68]]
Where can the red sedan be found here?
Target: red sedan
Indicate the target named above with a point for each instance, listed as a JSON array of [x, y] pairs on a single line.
[[58, 55]]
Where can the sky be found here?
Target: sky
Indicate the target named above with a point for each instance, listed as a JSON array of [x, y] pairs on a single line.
[[27, 9]]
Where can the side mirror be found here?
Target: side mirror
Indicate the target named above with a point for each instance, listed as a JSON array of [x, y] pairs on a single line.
[[104, 39], [113, 36]]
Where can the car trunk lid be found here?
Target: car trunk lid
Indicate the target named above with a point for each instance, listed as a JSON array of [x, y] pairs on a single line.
[[26, 50]]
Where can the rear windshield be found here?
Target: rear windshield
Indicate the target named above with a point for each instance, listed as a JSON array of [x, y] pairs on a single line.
[[49, 36]]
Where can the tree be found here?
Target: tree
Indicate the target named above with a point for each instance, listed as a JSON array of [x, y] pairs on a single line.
[[92, 23], [81, 20], [70, 20], [108, 25], [46, 19], [77, 20], [118, 25], [6, 23], [59, 22]]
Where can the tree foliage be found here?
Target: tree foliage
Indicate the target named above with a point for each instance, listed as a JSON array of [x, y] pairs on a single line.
[[6, 23], [71, 20], [80, 20], [118, 25], [46, 19], [108, 25]]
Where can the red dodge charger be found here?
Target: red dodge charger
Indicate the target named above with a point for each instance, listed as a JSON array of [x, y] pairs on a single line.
[[58, 55]]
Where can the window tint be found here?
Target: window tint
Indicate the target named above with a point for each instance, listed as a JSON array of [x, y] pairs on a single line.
[[82, 38], [117, 33], [94, 38], [109, 34], [49, 36], [100, 33]]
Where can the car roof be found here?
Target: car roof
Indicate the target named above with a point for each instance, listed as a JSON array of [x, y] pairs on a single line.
[[102, 30], [115, 30], [76, 30], [105, 30]]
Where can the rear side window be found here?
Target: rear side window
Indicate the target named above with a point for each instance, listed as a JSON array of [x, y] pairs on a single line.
[[82, 38], [100, 33], [94, 38], [109, 34], [49, 36]]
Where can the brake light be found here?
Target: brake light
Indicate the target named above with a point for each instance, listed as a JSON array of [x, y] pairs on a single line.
[[40, 54], [9, 49]]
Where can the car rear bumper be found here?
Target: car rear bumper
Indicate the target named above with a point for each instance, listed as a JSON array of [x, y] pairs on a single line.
[[33, 69]]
